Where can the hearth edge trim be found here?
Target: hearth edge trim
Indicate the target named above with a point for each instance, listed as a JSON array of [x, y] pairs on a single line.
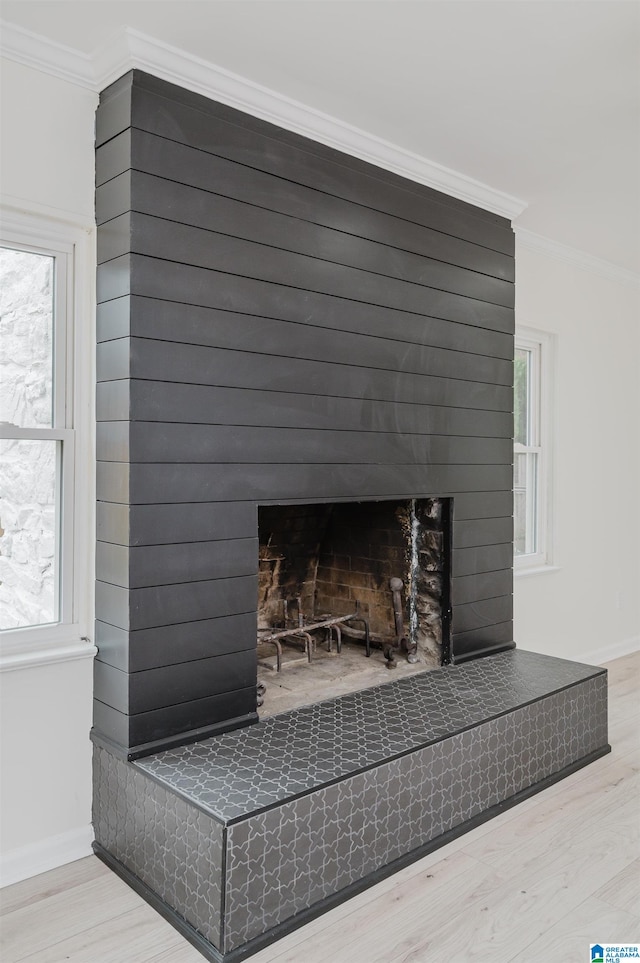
[[172, 742]]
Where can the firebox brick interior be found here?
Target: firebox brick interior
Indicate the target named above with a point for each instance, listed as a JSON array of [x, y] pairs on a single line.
[[280, 324]]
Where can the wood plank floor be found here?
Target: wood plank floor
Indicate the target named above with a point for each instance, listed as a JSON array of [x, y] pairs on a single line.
[[541, 881]]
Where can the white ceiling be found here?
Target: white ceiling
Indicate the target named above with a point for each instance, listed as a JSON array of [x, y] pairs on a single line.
[[539, 99]]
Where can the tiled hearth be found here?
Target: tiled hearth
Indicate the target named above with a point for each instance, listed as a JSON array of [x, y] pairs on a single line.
[[239, 838]]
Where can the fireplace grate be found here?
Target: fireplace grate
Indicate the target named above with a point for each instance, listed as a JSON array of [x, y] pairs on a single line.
[[301, 633]]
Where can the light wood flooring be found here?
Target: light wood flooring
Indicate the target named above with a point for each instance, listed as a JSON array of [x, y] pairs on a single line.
[[539, 882]]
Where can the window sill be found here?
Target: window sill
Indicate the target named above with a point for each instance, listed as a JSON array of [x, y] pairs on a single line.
[[46, 654], [535, 570]]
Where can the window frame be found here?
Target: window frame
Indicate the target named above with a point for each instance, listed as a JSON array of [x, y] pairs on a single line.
[[541, 345], [74, 368]]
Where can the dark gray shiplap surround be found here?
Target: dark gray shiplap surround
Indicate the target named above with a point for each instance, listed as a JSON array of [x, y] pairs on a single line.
[[277, 322]]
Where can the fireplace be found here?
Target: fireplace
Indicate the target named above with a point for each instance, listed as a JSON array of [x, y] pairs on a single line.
[[304, 403], [278, 324], [348, 580]]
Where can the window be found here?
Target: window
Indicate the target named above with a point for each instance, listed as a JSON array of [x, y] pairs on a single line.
[[532, 448], [43, 590]]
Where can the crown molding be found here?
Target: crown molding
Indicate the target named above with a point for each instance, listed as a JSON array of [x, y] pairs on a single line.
[[56, 59], [572, 255], [229, 88], [131, 49], [12, 208]]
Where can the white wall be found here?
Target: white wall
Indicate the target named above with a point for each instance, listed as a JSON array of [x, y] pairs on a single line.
[[590, 607], [47, 141], [45, 792]]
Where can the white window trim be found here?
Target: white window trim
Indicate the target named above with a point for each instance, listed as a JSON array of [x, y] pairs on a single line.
[[68, 638], [542, 343]]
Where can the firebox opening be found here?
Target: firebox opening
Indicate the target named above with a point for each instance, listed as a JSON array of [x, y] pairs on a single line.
[[338, 579]]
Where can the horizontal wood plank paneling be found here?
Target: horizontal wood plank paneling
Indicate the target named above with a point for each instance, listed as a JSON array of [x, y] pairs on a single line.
[[193, 364], [159, 442], [113, 319], [112, 562], [228, 710], [165, 401], [113, 401], [140, 649], [482, 639], [113, 156], [484, 505], [174, 523], [224, 132], [277, 338], [113, 644], [113, 279], [112, 522], [114, 114], [277, 323], [155, 157], [144, 608], [482, 558], [170, 208], [487, 585], [271, 283], [304, 323], [112, 604], [482, 531], [174, 563], [168, 484], [146, 690], [470, 616]]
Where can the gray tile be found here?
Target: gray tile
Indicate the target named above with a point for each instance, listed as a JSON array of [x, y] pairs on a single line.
[[170, 845], [299, 751], [319, 798], [286, 859]]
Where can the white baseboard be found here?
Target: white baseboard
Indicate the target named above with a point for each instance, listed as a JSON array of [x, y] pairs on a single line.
[[35, 858], [609, 652]]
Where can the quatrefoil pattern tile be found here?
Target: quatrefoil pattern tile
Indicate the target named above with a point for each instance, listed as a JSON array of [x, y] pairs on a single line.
[[286, 859], [290, 754], [172, 846]]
